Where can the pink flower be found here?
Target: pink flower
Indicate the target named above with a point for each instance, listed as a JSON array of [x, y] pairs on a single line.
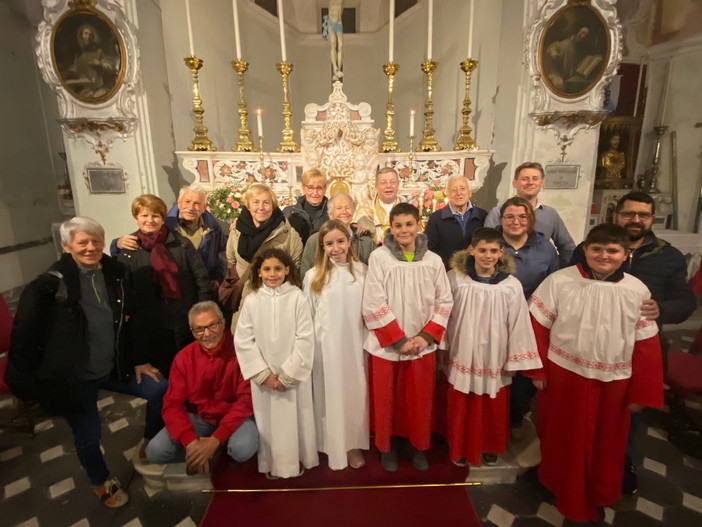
[[236, 204]]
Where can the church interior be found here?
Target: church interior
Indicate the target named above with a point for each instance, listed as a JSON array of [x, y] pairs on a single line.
[[225, 93]]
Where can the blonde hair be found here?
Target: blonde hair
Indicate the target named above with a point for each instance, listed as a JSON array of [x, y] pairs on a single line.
[[308, 174], [260, 188], [150, 202], [322, 267]]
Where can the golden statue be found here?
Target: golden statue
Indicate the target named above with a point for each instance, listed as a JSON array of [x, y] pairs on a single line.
[[612, 162]]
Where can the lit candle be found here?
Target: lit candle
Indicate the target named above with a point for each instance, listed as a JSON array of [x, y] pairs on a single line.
[[281, 24], [470, 30], [411, 123], [430, 23], [290, 173], [259, 121], [235, 8], [391, 53], [665, 92], [433, 204], [190, 28]]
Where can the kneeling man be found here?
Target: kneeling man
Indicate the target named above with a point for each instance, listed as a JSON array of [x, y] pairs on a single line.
[[208, 402]]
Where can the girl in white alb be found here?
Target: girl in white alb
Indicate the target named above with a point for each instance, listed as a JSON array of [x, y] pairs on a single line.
[[339, 379], [274, 343]]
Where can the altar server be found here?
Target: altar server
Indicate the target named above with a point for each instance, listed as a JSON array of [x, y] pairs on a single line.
[[406, 303], [274, 342], [602, 359], [335, 289], [489, 337]]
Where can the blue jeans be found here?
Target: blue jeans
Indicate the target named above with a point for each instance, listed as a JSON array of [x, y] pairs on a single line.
[[85, 422], [242, 444]]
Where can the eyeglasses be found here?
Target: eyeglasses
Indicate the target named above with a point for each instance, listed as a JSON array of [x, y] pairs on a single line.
[[199, 330], [628, 214], [511, 218], [315, 189]]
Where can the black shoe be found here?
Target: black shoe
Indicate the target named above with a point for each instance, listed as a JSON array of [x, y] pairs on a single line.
[[419, 461], [630, 483], [389, 460], [489, 458]]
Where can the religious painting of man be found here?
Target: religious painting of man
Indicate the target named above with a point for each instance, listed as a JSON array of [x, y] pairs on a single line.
[[88, 56], [574, 50]]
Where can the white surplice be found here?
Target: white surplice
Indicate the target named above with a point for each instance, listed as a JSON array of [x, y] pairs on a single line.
[[275, 331], [489, 334], [339, 376]]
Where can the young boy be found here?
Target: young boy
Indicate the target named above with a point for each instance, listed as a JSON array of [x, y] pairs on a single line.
[[406, 304], [602, 359], [489, 337]]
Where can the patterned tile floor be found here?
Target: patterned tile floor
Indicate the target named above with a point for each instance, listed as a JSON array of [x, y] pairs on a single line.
[[42, 484]]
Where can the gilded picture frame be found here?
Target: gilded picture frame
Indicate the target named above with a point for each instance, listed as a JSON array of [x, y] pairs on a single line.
[[88, 55], [574, 50]]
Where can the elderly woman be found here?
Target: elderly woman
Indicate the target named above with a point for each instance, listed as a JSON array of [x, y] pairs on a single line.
[[261, 225], [536, 258], [68, 343], [169, 278], [340, 207]]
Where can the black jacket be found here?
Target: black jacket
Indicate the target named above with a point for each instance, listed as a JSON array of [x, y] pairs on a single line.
[[445, 233], [49, 347], [662, 268], [160, 325], [302, 222]]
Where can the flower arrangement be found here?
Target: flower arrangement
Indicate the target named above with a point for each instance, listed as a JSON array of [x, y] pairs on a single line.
[[430, 199], [225, 203]]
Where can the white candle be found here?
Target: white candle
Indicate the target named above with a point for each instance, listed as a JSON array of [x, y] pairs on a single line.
[[433, 204], [470, 31], [638, 86], [190, 28], [259, 121], [411, 123], [290, 173], [391, 53], [281, 25], [666, 87], [430, 23], [235, 8]]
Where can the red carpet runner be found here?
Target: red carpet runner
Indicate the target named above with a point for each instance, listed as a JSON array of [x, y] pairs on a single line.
[[408, 507]]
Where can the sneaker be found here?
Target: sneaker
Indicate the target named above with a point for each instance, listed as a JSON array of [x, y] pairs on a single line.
[[419, 461], [460, 462], [112, 494], [355, 458], [489, 458], [630, 483], [389, 460]]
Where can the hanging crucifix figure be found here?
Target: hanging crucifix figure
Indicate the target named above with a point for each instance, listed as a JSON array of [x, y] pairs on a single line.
[[333, 30]]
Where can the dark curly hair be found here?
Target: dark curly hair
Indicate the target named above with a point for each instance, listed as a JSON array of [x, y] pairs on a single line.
[[284, 258]]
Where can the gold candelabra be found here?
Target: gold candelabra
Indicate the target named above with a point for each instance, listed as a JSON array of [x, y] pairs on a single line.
[[410, 158], [244, 144], [465, 139], [429, 142], [201, 142], [389, 144], [260, 158], [288, 143]]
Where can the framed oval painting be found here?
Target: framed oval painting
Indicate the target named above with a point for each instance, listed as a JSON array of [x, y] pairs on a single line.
[[88, 55], [574, 50]]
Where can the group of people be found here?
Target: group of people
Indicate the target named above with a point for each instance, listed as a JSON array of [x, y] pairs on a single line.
[[354, 322]]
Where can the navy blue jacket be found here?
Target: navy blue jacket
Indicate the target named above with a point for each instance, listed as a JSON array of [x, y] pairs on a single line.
[[535, 260], [445, 233]]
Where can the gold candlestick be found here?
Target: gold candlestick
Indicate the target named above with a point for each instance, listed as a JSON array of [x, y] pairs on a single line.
[[428, 142], [201, 142], [465, 139], [260, 158], [410, 157], [244, 144], [288, 143], [389, 144]]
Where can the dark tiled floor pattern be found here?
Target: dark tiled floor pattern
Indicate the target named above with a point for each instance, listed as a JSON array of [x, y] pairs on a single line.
[[43, 485]]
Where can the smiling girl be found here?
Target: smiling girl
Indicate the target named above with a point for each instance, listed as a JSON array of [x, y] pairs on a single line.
[[335, 289]]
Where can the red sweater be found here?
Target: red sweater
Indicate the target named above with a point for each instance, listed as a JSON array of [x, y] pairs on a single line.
[[211, 387]]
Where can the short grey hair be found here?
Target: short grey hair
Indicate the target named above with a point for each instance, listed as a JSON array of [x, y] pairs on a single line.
[[332, 200], [456, 177], [386, 170], [80, 223], [202, 307], [194, 188]]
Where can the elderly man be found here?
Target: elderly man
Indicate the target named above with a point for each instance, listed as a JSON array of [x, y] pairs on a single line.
[[449, 229], [340, 207], [375, 215], [68, 343], [208, 402], [189, 218], [528, 182], [310, 211]]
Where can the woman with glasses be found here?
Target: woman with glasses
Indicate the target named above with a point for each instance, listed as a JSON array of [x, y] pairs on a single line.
[[310, 211]]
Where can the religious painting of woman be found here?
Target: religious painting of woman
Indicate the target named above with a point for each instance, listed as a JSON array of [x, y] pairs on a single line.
[[574, 50], [88, 55]]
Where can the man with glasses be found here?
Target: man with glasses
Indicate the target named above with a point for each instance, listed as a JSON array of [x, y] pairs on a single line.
[[528, 182], [310, 211], [208, 402], [663, 269], [375, 214]]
